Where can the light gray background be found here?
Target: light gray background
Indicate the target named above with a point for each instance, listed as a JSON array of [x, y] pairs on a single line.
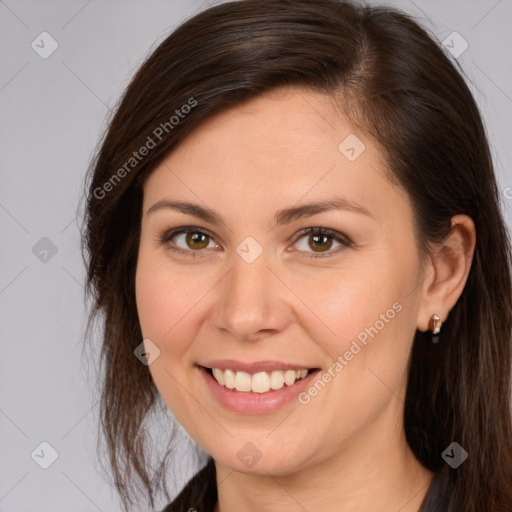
[[53, 113]]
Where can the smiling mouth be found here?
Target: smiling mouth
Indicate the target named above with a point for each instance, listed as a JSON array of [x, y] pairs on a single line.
[[260, 382]]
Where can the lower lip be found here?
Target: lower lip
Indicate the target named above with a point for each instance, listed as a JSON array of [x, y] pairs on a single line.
[[255, 403]]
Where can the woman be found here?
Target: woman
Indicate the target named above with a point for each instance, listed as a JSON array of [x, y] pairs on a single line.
[[294, 235]]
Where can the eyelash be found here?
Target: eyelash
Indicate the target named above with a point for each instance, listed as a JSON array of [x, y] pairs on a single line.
[[338, 237]]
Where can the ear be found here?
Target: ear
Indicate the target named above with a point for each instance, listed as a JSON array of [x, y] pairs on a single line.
[[447, 272]]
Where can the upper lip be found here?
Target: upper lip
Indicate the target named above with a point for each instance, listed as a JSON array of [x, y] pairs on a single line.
[[257, 366]]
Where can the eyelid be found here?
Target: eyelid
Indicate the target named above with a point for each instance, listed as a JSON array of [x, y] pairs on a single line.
[[341, 238]]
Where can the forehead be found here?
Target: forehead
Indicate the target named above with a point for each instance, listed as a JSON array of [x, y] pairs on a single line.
[[281, 148]]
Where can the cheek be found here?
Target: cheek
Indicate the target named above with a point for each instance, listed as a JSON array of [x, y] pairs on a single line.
[[355, 303], [370, 313], [162, 305], [165, 298], [169, 305]]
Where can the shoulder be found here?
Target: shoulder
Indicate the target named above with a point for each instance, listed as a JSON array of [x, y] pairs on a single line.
[[199, 494]]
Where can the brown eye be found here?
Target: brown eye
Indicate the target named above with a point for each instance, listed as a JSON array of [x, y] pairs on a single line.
[[320, 241], [196, 240], [188, 241]]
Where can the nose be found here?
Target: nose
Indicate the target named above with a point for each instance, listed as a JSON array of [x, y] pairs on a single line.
[[251, 303]]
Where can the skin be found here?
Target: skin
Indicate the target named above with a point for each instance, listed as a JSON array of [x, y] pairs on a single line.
[[345, 450]]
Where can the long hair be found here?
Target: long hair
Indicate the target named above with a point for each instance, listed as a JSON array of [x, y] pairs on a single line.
[[393, 81]]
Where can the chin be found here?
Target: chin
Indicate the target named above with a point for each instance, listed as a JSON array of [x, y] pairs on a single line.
[[262, 457]]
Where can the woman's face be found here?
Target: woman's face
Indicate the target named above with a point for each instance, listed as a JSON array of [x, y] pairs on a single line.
[[259, 299]]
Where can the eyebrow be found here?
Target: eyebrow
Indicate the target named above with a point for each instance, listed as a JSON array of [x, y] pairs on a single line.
[[285, 216]]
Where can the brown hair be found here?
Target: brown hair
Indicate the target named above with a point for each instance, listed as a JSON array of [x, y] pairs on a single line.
[[393, 81]]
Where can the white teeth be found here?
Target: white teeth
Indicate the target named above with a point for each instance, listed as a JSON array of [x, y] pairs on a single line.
[[243, 381], [289, 377], [260, 382], [229, 378], [276, 380], [219, 376]]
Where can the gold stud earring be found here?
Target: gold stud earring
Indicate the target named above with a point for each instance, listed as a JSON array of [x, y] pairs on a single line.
[[436, 327], [436, 324]]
